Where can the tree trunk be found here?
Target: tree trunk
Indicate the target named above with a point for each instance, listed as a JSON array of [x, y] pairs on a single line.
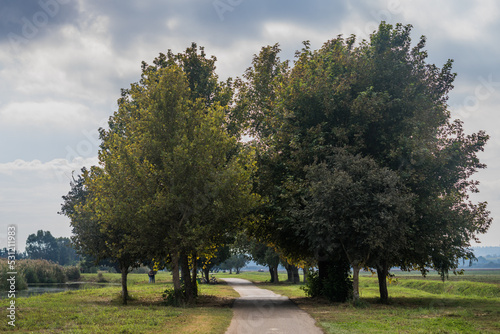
[[306, 273], [276, 278], [230, 271], [289, 272], [295, 274], [124, 271], [206, 271], [382, 272], [355, 281], [271, 271], [175, 274], [194, 283], [186, 279], [323, 267]]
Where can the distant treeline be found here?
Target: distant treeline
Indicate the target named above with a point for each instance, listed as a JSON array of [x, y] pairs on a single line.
[[492, 251], [43, 245]]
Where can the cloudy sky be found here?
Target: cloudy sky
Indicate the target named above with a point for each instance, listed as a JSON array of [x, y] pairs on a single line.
[[63, 62]]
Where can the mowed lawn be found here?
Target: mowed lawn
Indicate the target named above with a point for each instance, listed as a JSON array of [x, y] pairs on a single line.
[[99, 310], [468, 303], [464, 304]]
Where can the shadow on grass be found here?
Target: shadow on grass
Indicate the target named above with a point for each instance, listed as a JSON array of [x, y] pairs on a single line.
[[408, 303], [135, 300]]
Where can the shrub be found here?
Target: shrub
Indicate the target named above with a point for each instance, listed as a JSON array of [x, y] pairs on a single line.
[[20, 282], [141, 270], [41, 271], [336, 286], [59, 274], [101, 279], [313, 285], [72, 273], [30, 275], [171, 298]]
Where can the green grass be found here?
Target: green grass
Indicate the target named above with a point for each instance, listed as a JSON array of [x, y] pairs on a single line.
[[254, 276], [416, 306], [476, 275], [470, 304], [99, 310]]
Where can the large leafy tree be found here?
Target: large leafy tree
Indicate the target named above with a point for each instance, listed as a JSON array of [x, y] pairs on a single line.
[[381, 100], [173, 179]]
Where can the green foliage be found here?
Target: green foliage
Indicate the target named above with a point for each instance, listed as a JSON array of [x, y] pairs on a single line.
[[381, 101], [101, 278], [354, 154], [43, 245], [72, 273], [35, 271], [173, 181], [335, 285], [314, 286], [236, 261], [172, 297], [5, 285]]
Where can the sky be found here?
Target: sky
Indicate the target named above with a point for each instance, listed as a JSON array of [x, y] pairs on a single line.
[[63, 63]]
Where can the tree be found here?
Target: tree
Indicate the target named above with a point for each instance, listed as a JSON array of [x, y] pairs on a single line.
[[357, 208], [66, 252], [379, 100], [266, 256], [212, 259], [236, 261], [42, 245], [173, 180], [104, 221]]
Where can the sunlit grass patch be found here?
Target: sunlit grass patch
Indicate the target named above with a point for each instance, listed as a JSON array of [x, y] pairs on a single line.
[[100, 310]]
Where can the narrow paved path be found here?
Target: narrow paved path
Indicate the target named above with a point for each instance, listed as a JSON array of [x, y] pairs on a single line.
[[264, 312]]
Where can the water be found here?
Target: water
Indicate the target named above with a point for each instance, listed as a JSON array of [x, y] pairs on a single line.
[[38, 289]]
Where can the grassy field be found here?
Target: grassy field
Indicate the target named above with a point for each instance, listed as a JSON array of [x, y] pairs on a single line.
[[468, 303], [464, 304], [99, 310]]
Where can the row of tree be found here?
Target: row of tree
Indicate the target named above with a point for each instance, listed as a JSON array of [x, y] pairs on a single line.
[[43, 245], [355, 162]]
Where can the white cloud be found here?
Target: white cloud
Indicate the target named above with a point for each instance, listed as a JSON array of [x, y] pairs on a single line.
[[19, 169], [457, 20], [57, 88], [47, 114], [31, 195]]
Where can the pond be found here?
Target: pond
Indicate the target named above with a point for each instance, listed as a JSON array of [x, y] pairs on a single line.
[[38, 289]]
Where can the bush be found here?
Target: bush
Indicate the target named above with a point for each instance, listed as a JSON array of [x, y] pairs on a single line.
[[41, 271], [101, 279], [20, 282], [30, 275], [59, 274], [72, 273], [32, 272], [141, 270], [313, 286], [170, 298], [336, 286]]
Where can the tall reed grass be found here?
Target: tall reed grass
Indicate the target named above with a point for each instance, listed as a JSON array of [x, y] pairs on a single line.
[[36, 272]]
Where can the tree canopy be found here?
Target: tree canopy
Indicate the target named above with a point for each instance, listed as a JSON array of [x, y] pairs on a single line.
[[355, 161], [172, 180], [378, 100]]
